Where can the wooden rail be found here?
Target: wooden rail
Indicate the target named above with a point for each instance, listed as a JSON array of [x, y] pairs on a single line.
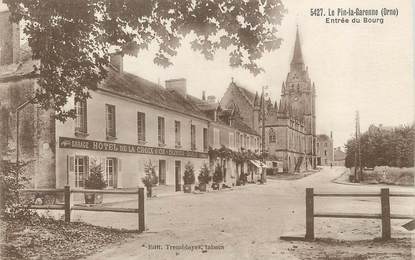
[[67, 207], [384, 215]]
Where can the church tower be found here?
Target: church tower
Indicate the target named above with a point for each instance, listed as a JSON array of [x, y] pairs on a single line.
[[299, 94]]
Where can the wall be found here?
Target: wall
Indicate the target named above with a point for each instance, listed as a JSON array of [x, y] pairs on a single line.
[[9, 40], [36, 133]]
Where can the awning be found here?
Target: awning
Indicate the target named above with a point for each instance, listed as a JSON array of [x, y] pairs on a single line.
[[258, 164]]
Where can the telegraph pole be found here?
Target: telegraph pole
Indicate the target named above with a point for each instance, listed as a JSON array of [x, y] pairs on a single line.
[[263, 175], [357, 152]]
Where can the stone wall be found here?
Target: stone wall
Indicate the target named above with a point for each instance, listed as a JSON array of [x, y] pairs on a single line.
[[9, 40], [36, 133]]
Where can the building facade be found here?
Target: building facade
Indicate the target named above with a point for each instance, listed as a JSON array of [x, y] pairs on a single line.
[[325, 153], [290, 127], [127, 123], [228, 132]]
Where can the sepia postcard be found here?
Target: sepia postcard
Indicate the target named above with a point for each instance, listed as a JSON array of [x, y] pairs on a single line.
[[207, 129]]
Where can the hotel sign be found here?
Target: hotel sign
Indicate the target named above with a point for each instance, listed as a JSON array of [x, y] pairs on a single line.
[[73, 143]]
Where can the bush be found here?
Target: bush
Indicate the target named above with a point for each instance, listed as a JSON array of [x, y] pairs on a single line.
[[150, 179], [95, 178], [390, 175], [217, 175], [204, 175], [189, 174], [11, 204]]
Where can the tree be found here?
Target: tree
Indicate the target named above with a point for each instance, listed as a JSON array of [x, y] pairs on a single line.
[[73, 39], [384, 147]]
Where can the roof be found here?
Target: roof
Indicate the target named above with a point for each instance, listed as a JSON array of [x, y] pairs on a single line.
[[323, 137], [140, 89], [249, 96], [237, 122], [298, 54], [241, 126]]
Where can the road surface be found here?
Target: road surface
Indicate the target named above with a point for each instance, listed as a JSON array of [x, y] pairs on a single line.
[[246, 223]]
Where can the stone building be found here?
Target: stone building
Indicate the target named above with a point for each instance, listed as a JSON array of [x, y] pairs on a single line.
[[228, 131], [325, 153], [290, 126], [127, 122]]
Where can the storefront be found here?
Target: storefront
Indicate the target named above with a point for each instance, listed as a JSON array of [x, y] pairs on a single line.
[[123, 164]]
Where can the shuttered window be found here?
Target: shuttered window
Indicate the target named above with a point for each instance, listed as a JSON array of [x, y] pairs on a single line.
[[81, 119], [193, 137], [110, 120], [141, 127], [177, 133], [161, 130]]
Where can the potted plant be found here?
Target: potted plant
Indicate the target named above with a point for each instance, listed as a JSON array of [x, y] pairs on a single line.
[[204, 177], [188, 178], [150, 178], [217, 177], [94, 181]]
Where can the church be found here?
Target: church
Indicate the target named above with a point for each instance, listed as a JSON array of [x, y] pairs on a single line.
[[290, 125]]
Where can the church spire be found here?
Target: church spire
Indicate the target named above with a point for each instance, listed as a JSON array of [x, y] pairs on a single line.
[[297, 62]]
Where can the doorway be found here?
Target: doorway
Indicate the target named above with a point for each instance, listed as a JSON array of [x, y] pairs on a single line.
[[177, 173], [162, 172]]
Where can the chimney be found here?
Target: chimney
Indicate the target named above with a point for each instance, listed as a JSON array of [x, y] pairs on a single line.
[[116, 60], [177, 85], [204, 95], [9, 39], [211, 99]]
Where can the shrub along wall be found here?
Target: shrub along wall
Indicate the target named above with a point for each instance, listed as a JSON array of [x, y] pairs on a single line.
[[389, 175]]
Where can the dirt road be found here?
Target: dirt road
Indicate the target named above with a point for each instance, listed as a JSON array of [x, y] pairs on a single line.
[[246, 223]]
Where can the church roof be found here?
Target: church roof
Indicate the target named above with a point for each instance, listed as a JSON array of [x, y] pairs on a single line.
[[298, 54], [249, 96]]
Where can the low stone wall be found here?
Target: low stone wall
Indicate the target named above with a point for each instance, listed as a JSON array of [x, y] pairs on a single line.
[[389, 175]]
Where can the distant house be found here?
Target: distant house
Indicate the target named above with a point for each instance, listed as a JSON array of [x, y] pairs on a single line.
[[339, 157], [325, 150]]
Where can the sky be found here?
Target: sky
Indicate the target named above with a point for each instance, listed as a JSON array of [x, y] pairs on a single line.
[[364, 67]]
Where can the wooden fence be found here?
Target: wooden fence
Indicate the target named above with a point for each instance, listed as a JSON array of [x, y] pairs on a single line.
[[385, 214], [68, 207]]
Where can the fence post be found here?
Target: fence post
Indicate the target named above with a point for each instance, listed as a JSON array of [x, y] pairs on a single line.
[[141, 220], [67, 205], [309, 214], [386, 214]]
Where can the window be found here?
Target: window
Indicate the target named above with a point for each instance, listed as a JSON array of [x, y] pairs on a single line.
[[177, 137], [205, 139], [272, 137], [110, 168], [110, 120], [247, 142], [231, 140], [325, 152], [193, 137], [81, 120], [141, 127], [81, 170], [216, 137], [161, 130]]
